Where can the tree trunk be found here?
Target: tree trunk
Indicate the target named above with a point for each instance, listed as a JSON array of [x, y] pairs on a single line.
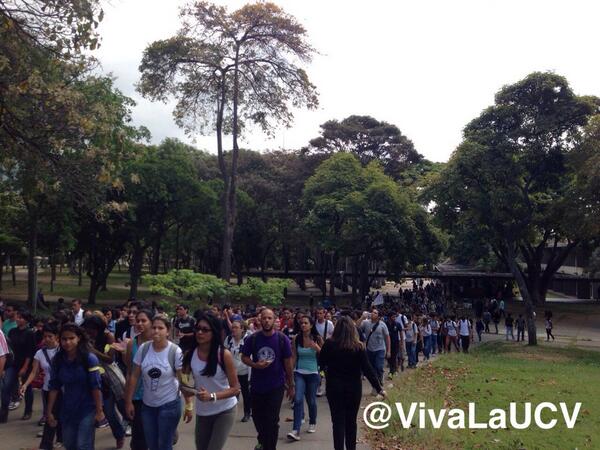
[[364, 277], [94, 287], [52, 271], [13, 272], [31, 273], [156, 255], [135, 269], [354, 280], [334, 262], [528, 301], [177, 255], [80, 274]]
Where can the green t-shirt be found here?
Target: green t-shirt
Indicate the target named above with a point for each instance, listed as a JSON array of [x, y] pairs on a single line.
[[8, 325]]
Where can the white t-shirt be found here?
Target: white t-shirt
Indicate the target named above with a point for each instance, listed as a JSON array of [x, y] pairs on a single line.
[[160, 382], [218, 382], [321, 328], [78, 318], [3, 344], [236, 352], [451, 327], [464, 325], [44, 365]]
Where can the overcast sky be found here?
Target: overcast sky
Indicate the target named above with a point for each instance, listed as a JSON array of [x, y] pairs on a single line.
[[428, 67]]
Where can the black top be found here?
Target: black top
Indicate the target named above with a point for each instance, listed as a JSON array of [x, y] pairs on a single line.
[[346, 366], [22, 343]]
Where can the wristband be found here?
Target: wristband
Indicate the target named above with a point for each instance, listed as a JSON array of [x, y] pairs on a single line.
[[189, 406], [213, 396]]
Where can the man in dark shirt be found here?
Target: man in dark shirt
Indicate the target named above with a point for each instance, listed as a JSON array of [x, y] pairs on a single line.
[[183, 328], [22, 342]]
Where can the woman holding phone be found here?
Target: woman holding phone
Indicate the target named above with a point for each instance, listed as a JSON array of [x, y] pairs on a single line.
[[216, 384]]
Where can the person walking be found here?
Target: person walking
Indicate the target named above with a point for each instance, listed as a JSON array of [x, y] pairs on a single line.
[[42, 361], [158, 363], [305, 349], [75, 377], [344, 359], [143, 328], [394, 343], [508, 323], [377, 342], [215, 381], [425, 334], [411, 334], [549, 326], [451, 334], [234, 344], [465, 330], [268, 353], [22, 341], [520, 322]]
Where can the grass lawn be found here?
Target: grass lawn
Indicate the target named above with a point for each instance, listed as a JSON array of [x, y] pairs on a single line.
[[492, 376], [66, 286]]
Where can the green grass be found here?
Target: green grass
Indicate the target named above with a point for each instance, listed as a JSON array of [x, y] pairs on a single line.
[[492, 376]]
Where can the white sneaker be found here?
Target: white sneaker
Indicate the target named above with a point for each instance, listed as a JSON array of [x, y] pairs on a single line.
[[320, 392], [13, 405], [128, 431], [293, 435], [312, 428], [40, 433]]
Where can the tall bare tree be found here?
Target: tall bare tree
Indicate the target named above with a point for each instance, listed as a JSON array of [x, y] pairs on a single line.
[[227, 71]]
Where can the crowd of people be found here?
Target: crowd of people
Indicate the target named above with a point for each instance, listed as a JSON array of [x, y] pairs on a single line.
[[138, 372]]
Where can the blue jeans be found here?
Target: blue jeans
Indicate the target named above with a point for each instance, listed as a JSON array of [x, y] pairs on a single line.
[[110, 411], [306, 387], [411, 353], [160, 424], [10, 386], [377, 359], [78, 433], [434, 341], [426, 346]]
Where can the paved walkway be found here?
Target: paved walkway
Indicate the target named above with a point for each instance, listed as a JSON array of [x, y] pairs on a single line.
[[17, 434]]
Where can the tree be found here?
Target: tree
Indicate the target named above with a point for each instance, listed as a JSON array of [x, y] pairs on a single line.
[[362, 214], [509, 182], [162, 191], [228, 70], [368, 139]]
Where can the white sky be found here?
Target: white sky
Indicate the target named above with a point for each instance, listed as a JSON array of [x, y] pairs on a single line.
[[427, 66]]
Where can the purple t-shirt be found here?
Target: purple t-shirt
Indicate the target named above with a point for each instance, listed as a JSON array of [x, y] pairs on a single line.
[[277, 348]]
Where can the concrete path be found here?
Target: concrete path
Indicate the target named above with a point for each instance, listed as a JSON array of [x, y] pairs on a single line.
[[17, 434]]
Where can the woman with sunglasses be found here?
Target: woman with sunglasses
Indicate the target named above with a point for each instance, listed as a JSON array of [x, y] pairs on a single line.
[[216, 383]]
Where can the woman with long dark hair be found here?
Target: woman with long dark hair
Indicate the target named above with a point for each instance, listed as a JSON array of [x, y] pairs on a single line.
[[143, 328], [158, 364], [305, 349], [75, 372], [345, 359], [216, 383]]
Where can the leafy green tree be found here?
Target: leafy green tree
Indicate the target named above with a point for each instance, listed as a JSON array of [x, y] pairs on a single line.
[[509, 182], [227, 71], [361, 213], [368, 139]]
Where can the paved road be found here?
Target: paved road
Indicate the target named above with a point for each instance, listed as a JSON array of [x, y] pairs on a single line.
[[17, 434]]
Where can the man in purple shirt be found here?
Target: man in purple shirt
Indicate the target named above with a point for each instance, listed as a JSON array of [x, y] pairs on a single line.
[[269, 354]]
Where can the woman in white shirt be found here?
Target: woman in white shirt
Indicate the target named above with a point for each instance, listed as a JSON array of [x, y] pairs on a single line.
[[215, 382], [43, 361], [234, 344], [158, 363]]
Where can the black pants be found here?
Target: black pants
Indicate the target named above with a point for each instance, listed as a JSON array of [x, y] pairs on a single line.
[[138, 440], [244, 387], [265, 415], [464, 342], [393, 359], [344, 401], [47, 442]]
